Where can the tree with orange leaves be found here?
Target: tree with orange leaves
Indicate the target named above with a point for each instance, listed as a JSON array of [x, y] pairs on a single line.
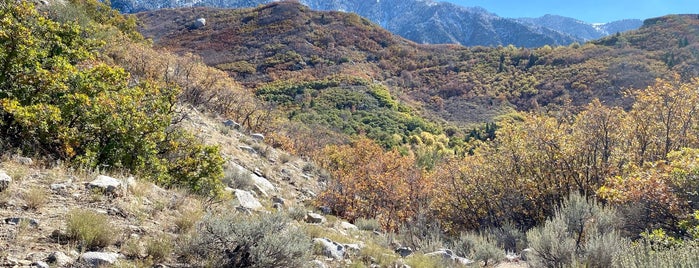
[[372, 183]]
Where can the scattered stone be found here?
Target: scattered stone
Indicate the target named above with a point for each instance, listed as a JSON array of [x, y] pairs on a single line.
[[10, 262], [462, 260], [98, 259], [512, 257], [526, 253], [231, 124], [24, 160], [106, 184], [5, 181], [278, 200], [448, 254], [130, 182], [246, 200], [353, 247], [308, 192], [59, 188], [263, 183], [314, 218], [404, 251], [243, 210], [348, 226], [59, 236], [248, 149], [325, 210], [330, 248], [115, 211], [258, 137], [135, 229], [317, 264], [16, 221], [40, 264]]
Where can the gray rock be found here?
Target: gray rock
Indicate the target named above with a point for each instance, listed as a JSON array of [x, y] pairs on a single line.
[[59, 259], [461, 260], [16, 221], [526, 253], [325, 210], [511, 257], [243, 210], [59, 187], [246, 200], [258, 137], [264, 186], [98, 259], [59, 236], [308, 192], [231, 124], [404, 251], [40, 264], [330, 249], [24, 160], [5, 181], [200, 22], [348, 226], [314, 218], [448, 254], [106, 184], [247, 149]]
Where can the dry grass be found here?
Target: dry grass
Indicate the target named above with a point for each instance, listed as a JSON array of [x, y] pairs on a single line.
[[89, 229], [35, 198]]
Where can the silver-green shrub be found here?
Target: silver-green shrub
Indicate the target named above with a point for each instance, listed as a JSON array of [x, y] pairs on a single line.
[[236, 240]]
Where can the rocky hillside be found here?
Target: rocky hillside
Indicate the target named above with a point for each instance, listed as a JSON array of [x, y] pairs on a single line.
[[54, 216], [287, 41], [429, 22]]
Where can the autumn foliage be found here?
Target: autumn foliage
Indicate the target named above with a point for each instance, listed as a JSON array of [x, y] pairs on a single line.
[[368, 182]]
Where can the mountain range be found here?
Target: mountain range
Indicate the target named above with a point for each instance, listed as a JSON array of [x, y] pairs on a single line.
[[431, 22], [463, 85]]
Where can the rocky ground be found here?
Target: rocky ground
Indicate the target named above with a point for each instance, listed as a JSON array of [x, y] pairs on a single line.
[[37, 199]]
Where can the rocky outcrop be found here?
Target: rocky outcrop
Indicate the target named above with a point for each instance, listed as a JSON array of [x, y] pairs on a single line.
[[5, 181], [99, 259], [314, 218], [106, 184], [330, 249], [59, 259], [247, 200]]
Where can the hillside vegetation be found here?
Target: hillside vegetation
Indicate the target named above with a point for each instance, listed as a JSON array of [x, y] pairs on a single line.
[[587, 155]]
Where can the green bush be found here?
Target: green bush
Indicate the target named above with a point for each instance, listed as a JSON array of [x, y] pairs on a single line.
[[89, 229], [479, 247], [234, 240], [644, 253], [93, 115]]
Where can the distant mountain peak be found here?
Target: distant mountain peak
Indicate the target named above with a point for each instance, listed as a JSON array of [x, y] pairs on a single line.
[[429, 21]]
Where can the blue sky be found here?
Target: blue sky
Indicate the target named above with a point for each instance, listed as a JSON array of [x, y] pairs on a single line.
[[585, 10]]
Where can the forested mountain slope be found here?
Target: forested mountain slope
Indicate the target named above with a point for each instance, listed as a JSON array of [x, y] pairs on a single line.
[[285, 41]]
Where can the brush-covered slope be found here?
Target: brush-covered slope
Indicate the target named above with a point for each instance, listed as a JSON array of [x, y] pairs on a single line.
[[429, 22], [288, 41]]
